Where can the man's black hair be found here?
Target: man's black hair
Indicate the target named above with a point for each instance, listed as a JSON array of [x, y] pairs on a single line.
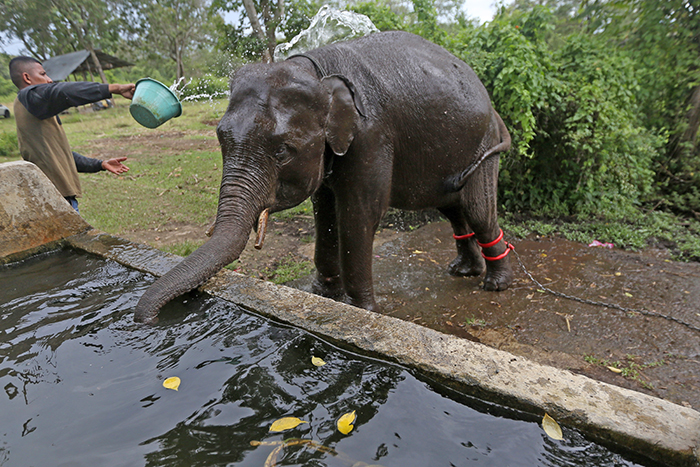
[[18, 65]]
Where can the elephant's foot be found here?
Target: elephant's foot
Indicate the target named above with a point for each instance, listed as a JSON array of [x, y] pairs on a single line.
[[367, 304], [498, 280], [461, 266], [499, 274], [468, 261], [329, 287]]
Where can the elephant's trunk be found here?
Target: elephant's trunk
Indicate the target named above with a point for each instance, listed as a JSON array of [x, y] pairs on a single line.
[[236, 218], [189, 274]]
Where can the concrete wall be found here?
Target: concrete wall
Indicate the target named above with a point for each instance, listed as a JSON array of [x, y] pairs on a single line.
[[649, 426]]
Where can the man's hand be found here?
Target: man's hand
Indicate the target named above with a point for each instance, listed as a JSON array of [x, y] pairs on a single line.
[[125, 90], [115, 165]]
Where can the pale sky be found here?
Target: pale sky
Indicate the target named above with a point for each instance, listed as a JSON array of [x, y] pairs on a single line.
[[482, 9]]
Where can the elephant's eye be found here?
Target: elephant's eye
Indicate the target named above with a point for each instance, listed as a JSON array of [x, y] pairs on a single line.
[[284, 153]]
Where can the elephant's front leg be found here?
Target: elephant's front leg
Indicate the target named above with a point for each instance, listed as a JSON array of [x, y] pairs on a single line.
[[326, 257], [358, 223]]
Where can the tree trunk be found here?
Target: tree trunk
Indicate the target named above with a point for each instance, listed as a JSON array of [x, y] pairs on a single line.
[[179, 66], [690, 134], [85, 42], [257, 28], [98, 66]]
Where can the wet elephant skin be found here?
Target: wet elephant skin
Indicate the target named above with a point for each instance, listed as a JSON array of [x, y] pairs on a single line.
[[389, 119]]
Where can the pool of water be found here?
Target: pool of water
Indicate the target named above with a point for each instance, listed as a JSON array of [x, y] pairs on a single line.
[[82, 386]]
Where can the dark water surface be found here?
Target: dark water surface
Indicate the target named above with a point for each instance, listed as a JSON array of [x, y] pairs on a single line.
[[82, 386]]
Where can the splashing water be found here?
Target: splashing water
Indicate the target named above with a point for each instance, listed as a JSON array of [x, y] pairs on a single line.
[[205, 96], [175, 87], [328, 26], [207, 88]]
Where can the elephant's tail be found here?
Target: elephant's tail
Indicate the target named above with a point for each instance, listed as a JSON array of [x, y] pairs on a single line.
[[458, 182]]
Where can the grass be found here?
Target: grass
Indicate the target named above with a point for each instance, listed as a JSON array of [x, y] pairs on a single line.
[[629, 368], [291, 268], [680, 235], [306, 208], [182, 249], [162, 189], [162, 186], [472, 321]]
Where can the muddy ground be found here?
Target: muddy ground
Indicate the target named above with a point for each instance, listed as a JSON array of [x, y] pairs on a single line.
[[653, 346]]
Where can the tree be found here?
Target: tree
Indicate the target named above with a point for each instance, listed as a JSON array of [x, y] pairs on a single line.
[[665, 39], [89, 22], [30, 21], [267, 19], [61, 26], [174, 27], [264, 16]]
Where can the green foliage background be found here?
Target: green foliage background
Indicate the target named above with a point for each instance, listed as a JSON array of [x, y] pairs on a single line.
[[579, 145]]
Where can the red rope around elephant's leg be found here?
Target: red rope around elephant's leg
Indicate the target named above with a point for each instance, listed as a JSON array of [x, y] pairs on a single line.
[[509, 247]]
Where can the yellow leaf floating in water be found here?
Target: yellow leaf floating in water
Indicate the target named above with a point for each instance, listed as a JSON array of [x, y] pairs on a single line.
[[551, 427], [172, 383], [286, 423], [317, 361], [345, 423]]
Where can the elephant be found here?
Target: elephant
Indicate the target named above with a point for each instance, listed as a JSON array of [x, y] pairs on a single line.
[[385, 120]]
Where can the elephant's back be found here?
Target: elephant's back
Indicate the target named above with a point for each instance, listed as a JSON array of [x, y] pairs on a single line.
[[406, 70]]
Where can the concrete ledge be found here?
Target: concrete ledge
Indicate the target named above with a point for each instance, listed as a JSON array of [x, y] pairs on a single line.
[[649, 426], [32, 211]]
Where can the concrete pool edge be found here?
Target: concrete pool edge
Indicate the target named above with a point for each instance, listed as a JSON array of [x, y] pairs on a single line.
[[652, 427]]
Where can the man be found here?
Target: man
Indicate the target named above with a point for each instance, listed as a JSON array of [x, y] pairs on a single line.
[[40, 134]]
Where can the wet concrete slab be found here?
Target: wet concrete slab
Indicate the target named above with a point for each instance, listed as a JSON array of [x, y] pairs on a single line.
[[650, 426]]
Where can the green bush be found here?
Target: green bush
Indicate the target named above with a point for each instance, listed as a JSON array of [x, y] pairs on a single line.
[[381, 15], [579, 146], [590, 152], [516, 68], [8, 144]]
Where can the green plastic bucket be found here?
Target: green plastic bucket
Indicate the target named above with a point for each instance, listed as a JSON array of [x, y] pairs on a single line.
[[154, 103]]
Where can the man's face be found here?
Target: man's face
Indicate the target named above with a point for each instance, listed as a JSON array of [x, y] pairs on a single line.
[[35, 74]]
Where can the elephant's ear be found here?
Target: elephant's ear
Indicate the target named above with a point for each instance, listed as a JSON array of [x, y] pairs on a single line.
[[344, 114]]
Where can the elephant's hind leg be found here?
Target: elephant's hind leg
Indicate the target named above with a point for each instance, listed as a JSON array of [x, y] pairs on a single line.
[[479, 203], [468, 261], [499, 274]]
